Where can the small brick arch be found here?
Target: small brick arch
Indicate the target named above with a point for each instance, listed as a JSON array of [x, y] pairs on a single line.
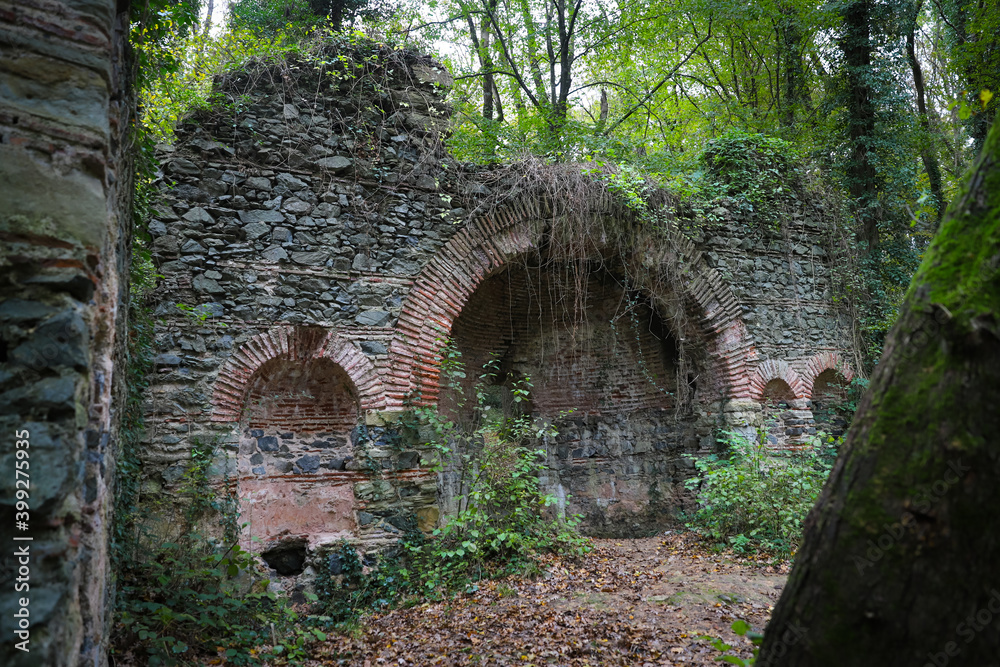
[[822, 362], [489, 243], [775, 369], [294, 344]]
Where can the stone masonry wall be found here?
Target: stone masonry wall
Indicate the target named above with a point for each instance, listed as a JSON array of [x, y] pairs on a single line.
[[65, 198], [321, 244]]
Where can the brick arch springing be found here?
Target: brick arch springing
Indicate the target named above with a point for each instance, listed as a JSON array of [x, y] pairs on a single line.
[[774, 369], [291, 343], [491, 242], [822, 362]]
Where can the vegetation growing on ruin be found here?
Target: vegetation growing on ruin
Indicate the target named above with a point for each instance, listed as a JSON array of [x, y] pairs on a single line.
[[504, 520], [189, 591], [755, 501], [671, 130]]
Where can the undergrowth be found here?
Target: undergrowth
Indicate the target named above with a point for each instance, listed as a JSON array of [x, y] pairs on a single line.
[[186, 594], [504, 519], [754, 501]]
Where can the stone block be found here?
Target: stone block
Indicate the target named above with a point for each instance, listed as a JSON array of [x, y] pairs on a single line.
[[260, 216], [337, 163], [372, 318]]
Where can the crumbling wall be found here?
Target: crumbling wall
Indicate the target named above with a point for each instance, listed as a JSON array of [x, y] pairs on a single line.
[[318, 244], [65, 193]]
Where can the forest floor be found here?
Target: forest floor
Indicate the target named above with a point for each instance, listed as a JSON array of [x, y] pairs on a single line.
[[629, 602]]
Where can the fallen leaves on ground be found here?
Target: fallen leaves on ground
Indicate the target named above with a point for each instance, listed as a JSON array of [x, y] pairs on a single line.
[[629, 602]]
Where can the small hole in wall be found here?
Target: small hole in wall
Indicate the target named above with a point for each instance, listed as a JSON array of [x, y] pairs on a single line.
[[287, 558], [3, 351]]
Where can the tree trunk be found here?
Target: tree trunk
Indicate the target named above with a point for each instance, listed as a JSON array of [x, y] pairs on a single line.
[[862, 180], [927, 154], [532, 45], [208, 18], [790, 34], [486, 60], [899, 565]]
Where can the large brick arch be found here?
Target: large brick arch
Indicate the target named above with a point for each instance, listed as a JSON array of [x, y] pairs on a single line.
[[822, 362], [491, 242], [774, 369], [293, 343]]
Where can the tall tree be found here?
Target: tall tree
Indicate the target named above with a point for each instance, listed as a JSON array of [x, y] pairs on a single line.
[[974, 46], [927, 153], [863, 180], [899, 560]]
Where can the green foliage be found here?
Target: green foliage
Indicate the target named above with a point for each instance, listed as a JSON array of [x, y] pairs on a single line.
[[630, 184], [267, 19], [194, 593], [198, 314], [742, 629], [184, 596], [155, 25], [345, 587], [755, 501], [755, 171], [504, 519], [187, 85]]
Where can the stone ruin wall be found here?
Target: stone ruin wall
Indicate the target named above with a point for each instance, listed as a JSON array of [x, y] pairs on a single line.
[[65, 219], [325, 238]]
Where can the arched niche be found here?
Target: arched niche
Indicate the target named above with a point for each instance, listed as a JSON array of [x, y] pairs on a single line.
[[783, 424], [829, 396], [305, 398], [586, 344], [493, 242], [778, 393], [295, 443]]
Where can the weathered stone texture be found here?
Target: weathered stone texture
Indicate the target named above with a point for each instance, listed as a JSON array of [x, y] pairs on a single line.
[[327, 243], [65, 196]]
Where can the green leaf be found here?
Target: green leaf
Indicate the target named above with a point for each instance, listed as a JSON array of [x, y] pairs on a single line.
[[741, 627]]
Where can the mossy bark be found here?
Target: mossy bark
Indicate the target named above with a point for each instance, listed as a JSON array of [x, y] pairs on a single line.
[[901, 559]]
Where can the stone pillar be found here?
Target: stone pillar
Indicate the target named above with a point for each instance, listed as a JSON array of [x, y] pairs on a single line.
[[65, 197], [742, 416]]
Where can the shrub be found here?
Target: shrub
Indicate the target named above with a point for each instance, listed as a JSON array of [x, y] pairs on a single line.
[[194, 596], [504, 519], [755, 501]]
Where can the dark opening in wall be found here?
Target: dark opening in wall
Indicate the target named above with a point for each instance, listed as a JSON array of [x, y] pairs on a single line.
[[586, 343], [286, 558], [828, 397], [777, 392], [779, 422]]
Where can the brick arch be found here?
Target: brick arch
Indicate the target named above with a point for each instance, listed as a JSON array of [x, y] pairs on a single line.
[[491, 242], [294, 344], [822, 362], [774, 369]]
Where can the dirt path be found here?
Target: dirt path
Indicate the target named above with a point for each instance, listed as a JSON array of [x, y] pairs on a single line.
[[629, 602]]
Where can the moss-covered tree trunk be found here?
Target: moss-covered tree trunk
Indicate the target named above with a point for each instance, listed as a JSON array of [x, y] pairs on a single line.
[[901, 559]]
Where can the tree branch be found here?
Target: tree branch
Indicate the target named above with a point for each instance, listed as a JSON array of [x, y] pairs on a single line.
[[666, 78]]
